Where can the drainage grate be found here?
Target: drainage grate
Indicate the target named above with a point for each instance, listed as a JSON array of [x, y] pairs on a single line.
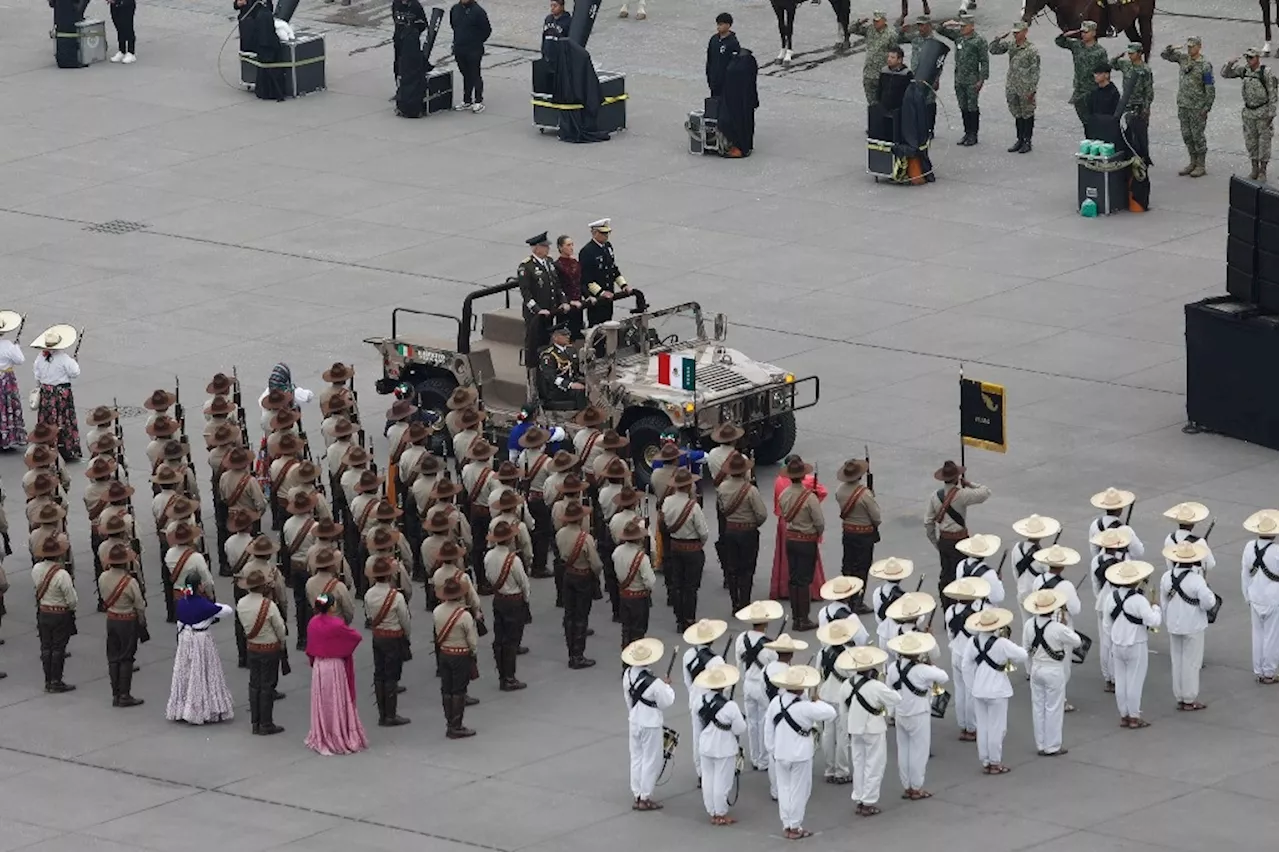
[[130, 412], [117, 226]]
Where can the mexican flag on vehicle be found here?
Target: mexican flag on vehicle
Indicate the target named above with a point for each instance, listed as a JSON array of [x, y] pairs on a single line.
[[677, 371]]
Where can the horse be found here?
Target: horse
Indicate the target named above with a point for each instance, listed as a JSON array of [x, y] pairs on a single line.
[[785, 12], [1266, 22], [1134, 17]]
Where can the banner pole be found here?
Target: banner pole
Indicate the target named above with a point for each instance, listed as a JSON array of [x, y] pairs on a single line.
[[961, 387]]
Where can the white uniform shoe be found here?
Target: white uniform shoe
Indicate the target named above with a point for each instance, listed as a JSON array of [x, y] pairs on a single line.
[[1266, 49], [477, 107], [129, 59], [641, 14], [622, 13], [786, 56], [119, 56]]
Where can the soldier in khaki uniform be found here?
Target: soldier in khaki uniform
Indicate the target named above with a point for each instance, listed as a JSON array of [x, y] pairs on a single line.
[[51, 522], [158, 403], [449, 566], [184, 565], [101, 421], [506, 576], [263, 623], [221, 412], [237, 486], [742, 512], [161, 430], [387, 613], [686, 532], [508, 506], [801, 513], [126, 621], [477, 482], [298, 536], [535, 466], [466, 434], [456, 642], [944, 519], [588, 441], [56, 601], [326, 562], [612, 445], [726, 436], [240, 526], [41, 459], [569, 492], [859, 526], [220, 442], [636, 580], [582, 567], [616, 476]]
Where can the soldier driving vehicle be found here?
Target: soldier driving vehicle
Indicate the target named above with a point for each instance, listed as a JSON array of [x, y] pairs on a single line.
[[649, 372]]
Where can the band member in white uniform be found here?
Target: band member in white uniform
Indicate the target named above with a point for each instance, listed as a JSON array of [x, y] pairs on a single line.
[[977, 549], [916, 679], [1111, 547], [717, 745], [788, 731], [753, 658], [868, 701], [1034, 529], [986, 667], [1049, 642], [646, 696], [700, 657], [1187, 601], [1258, 581], [1112, 502], [970, 596], [1130, 615], [1187, 515]]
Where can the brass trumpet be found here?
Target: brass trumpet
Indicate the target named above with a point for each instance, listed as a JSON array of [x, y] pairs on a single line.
[[937, 689], [1152, 598]]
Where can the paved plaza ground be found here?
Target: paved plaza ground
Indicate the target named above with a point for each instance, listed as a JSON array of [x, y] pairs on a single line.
[[289, 231]]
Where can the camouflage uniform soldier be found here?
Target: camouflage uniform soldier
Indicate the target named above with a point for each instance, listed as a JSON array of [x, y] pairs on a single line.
[[924, 33], [1196, 93], [880, 37], [1140, 88], [1086, 55], [1259, 111], [973, 66], [1021, 82]]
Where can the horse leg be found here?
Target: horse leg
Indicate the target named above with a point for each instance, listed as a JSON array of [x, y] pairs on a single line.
[[779, 7], [790, 27], [1266, 24]]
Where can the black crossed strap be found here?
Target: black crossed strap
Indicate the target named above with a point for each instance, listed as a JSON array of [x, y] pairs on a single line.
[[638, 688], [840, 612], [1025, 561], [1052, 581], [974, 567], [904, 679], [1260, 561], [784, 716], [895, 592], [770, 691], [1120, 601], [828, 660], [700, 661], [1175, 580], [960, 616], [1038, 640], [857, 695], [984, 652], [1104, 562], [950, 511], [711, 706], [751, 652]]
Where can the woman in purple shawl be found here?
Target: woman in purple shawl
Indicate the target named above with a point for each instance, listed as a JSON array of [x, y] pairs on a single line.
[[331, 644], [198, 693]]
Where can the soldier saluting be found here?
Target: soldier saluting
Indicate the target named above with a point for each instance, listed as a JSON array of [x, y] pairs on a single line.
[[1196, 93], [1021, 82], [540, 294], [600, 276], [944, 520]]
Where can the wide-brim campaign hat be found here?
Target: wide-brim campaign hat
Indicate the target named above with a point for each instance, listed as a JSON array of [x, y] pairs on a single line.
[[534, 436], [239, 520], [784, 644], [418, 432], [727, 433], [438, 522], [737, 465], [323, 559], [263, 546], [852, 470], [1037, 527], [1185, 552], [118, 491], [572, 485], [705, 631], [861, 658], [967, 589], [56, 338], [949, 471], [760, 612], [481, 450], [162, 427], [501, 533], [328, 530], [797, 678], [1112, 498], [563, 460], [39, 456], [718, 677], [302, 502], [1057, 556], [840, 587], [381, 566], [626, 498], [368, 483], [101, 468], [52, 547], [50, 513], [448, 552], [277, 399], [284, 420], [797, 469], [174, 451], [357, 456], [1114, 538], [220, 384], [633, 531], [451, 590], [401, 409], [893, 568], [113, 526], [614, 441], [643, 652], [573, 513], [334, 404], [223, 435], [253, 580], [988, 620], [42, 485], [9, 320], [508, 501], [118, 554], [912, 644], [979, 546], [684, 478], [1263, 523], [306, 471], [838, 632], [1044, 601], [183, 534], [236, 459], [103, 445], [616, 469], [911, 606], [668, 453], [220, 406], [462, 398], [1188, 513], [1129, 572], [590, 416], [386, 511], [339, 372], [101, 416], [43, 433], [179, 507], [159, 400]]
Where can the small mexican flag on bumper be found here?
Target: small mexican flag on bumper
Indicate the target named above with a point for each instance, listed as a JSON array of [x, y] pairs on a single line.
[[677, 371]]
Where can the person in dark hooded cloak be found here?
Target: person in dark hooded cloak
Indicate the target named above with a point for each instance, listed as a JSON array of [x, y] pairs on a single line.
[[271, 80], [739, 100], [411, 72]]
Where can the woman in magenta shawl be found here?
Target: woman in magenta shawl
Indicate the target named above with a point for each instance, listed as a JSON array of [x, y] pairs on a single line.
[[781, 576], [331, 644]]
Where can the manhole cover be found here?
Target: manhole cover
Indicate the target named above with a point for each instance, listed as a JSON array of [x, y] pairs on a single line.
[[129, 412], [116, 226]]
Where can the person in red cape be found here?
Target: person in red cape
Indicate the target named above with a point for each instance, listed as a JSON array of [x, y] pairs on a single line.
[[331, 645], [780, 579]]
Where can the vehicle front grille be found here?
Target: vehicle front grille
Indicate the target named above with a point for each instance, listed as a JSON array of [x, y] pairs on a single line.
[[717, 378]]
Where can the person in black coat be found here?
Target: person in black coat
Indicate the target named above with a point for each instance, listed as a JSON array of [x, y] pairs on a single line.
[[408, 16], [722, 49], [471, 29], [555, 25], [601, 279], [1104, 100], [738, 104], [246, 12]]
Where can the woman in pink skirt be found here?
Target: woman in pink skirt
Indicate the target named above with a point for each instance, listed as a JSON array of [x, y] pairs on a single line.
[[331, 645], [780, 578], [199, 692]]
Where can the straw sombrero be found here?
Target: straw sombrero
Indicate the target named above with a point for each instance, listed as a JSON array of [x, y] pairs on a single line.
[[979, 546], [1036, 527], [1112, 498], [1188, 513], [861, 658], [838, 632], [643, 652], [911, 606], [759, 612], [988, 620], [1116, 538], [797, 678], [705, 631], [1129, 573], [968, 589], [1057, 556], [892, 568], [717, 677], [1186, 552], [912, 644], [1044, 601], [784, 644], [839, 588], [1264, 523]]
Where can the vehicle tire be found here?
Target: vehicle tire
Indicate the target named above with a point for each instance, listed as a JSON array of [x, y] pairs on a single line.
[[645, 435], [432, 395], [780, 441]]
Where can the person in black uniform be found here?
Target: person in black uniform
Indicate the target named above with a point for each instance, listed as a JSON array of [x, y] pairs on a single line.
[[1104, 100], [246, 12], [555, 25], [541, 297], [559, 373], [600, 276], [895, 77], [407, 15], [721, 50]]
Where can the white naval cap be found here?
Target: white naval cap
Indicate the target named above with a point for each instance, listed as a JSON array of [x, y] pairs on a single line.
[[601, 225]]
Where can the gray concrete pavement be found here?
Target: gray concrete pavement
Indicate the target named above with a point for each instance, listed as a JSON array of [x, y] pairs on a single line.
[[288, 231]]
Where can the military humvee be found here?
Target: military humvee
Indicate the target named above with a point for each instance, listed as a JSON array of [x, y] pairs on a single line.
[[620, 364]]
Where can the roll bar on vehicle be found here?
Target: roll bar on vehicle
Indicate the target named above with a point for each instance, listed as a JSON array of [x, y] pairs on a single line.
[[467, 324]]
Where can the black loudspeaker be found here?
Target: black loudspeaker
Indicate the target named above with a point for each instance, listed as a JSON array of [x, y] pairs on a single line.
[[1241, 255], [584, 18], [1241, 285], [1243, 195], [1232, 374], [1242, 226], [932, 58]]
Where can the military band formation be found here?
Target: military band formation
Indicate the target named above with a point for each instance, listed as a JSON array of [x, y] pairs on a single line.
[[448, 511]]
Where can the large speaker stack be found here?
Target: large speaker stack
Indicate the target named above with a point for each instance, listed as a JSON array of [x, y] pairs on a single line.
[[1232, 375]]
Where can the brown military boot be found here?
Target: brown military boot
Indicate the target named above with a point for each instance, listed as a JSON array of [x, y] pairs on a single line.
[[1189, 167], [1253, 172], [1262, 170], [1198, 170]]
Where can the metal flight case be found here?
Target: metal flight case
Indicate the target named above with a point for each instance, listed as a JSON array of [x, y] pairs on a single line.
[[546, 111], [304, 60]]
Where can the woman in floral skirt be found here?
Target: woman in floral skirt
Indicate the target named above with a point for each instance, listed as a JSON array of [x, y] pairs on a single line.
[[55, 369], [13, 430]]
